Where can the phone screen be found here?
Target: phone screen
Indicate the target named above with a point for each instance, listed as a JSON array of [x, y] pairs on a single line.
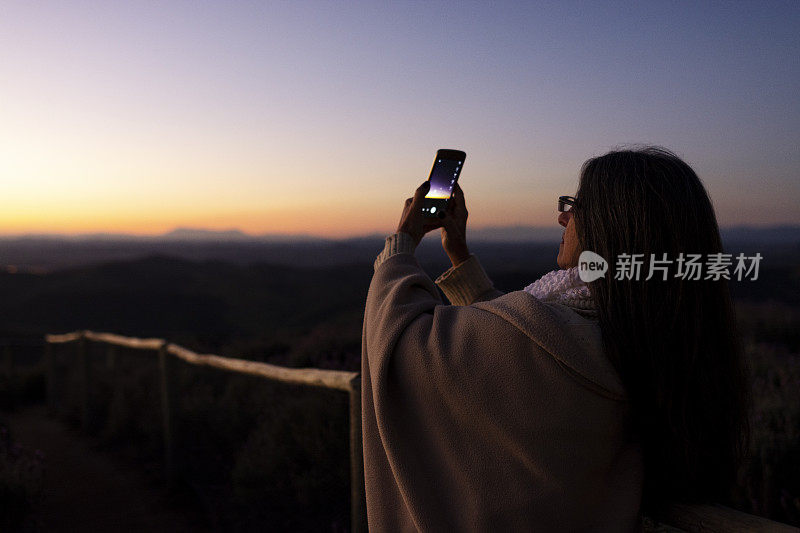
[[446, 167], [443, 178]]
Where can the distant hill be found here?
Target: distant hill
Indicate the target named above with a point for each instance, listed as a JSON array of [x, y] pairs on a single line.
[[200, 234], [251, 308], [514, 233], [194, 234], [765, 234], [523, 245], [177, 234]]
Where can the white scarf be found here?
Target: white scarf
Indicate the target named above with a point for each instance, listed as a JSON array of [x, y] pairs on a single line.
[[563, 286]]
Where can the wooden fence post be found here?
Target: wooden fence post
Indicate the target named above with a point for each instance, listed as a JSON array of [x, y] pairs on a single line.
[[83, 368], [8, 364], [50, 368], [165, 365], [113, 366], [358, 504]]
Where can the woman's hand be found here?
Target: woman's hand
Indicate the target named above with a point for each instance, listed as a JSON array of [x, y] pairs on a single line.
[[413, 221], [454, 228]]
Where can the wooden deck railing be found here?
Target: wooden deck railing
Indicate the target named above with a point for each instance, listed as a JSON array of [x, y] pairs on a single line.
[[349, 382], [678, 517]]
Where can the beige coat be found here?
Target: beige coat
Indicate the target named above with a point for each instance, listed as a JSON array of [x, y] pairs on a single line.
[[498, 414]]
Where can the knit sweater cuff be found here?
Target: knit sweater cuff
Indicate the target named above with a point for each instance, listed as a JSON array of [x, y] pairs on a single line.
[[397, 243], [464, 282]]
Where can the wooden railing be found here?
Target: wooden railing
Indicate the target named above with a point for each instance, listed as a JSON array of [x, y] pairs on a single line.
[[716, 518], [677, 518], [349, 382]]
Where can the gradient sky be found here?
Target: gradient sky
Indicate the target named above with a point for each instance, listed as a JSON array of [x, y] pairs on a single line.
[[322, 118]]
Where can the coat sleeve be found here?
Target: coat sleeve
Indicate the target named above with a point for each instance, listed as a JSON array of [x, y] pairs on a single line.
[[467, 283], [429, 371], [463, 284]]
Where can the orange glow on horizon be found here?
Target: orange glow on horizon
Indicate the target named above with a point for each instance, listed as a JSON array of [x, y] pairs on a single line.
[[332, 221]]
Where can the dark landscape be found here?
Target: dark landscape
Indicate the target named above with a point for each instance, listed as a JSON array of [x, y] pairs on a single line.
[[300, 304]]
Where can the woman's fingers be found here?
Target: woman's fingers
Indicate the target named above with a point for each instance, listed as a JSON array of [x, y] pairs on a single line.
[[454, 199], [459, 207], [459, 194], [450, 225]]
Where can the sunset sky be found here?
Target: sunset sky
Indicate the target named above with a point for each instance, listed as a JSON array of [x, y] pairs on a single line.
[[323, 117]]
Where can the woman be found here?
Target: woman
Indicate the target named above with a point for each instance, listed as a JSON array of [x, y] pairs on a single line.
[[564, 406]]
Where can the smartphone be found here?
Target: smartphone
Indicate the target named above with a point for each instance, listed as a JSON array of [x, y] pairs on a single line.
[[444, 174]]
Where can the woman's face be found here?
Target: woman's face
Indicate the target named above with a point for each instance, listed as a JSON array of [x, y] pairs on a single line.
[[568, 250]]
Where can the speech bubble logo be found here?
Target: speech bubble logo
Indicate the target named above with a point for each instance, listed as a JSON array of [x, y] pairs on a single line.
[[591, 266]]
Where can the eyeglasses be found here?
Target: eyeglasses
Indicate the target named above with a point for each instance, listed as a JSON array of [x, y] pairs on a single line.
[[567, 203]]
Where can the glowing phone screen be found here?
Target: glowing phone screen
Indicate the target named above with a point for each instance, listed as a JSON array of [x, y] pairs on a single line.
[[443, 177]]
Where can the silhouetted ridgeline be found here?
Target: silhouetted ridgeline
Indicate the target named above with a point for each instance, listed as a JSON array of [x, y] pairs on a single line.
[[532, 247], [240, 306]]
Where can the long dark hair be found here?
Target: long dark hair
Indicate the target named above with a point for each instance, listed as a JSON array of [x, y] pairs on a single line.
[[674, 342]]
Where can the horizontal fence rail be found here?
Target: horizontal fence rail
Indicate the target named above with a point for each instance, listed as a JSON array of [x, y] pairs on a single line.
[[314, 377], [676, 517], [718, 518]]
